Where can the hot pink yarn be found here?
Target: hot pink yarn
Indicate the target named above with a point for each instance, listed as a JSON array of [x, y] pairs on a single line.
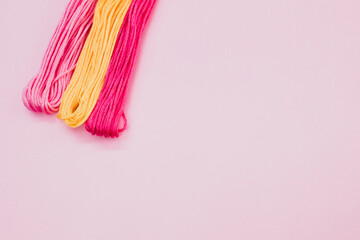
[[109, 110], [44, 91]]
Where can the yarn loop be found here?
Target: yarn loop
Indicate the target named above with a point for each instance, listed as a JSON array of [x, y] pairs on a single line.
[[84, 88], [109, 110], [43, 93]]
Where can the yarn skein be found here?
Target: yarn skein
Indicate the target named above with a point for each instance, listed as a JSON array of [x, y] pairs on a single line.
[[87, 81], [43, 93], [109, 110]]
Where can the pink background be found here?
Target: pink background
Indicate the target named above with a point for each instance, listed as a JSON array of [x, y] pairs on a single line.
[[244, 124]]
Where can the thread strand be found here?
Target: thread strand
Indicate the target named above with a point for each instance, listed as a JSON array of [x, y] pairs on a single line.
[[84, 88], [109, 110], [43, 93]]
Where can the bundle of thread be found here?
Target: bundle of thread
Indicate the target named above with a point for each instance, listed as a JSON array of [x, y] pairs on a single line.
[[44, 91], [109, 110], [86, 69]]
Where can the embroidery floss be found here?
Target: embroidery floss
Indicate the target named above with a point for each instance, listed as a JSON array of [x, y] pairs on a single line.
[[85, 85], [43, 93], [109, 110]]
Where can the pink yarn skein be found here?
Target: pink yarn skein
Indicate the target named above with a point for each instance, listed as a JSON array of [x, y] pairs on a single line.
[[44, 91], [109, 110]]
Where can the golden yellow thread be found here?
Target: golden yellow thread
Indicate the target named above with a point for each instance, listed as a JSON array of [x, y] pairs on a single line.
[[85, 86]]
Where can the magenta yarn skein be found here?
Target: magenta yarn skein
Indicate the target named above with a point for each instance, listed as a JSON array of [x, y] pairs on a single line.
[[109, 110], [43, 93]]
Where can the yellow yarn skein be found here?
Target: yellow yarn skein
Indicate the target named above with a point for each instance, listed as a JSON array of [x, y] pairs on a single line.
[[82, 93]]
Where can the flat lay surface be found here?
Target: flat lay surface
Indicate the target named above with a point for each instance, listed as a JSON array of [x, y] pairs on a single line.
[[244, 123]]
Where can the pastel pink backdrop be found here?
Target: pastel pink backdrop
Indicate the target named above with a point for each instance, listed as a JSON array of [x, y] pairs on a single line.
[[244, 124]]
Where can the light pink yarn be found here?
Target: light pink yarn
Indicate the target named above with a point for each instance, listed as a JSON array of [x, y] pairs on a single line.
[[44, 91]]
